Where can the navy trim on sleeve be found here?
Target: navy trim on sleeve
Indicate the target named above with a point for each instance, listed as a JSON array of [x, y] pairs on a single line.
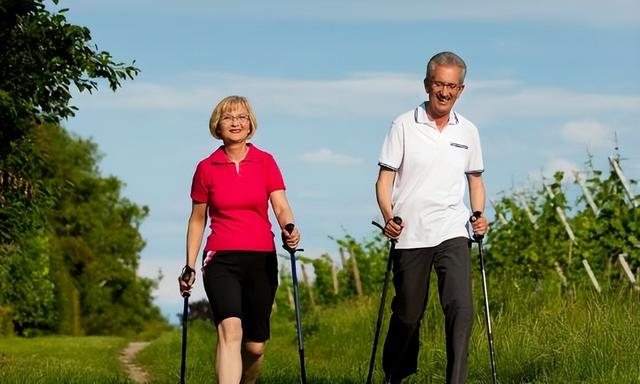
[[387, 166]]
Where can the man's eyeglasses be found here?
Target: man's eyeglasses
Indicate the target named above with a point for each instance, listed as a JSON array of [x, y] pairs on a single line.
[[441, 84], [227, 119]]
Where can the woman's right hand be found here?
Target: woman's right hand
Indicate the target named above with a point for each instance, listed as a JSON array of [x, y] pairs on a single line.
[[186, 279]]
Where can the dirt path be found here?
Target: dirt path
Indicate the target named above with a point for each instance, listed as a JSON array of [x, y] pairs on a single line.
[[137, 374]]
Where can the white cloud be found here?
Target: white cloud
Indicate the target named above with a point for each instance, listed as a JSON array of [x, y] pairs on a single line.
[[327, 156], [551, 167], [357, 95], [360, 94], [499, 101], [590, 133]]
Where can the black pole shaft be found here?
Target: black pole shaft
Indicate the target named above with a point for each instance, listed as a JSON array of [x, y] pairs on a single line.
[[185, 321], [383, 298], [487, 315], [294, 278]]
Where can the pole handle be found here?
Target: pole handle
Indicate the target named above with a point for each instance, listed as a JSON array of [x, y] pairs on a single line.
[[396, 219], [476, 215], [187, 272], [289, 228]]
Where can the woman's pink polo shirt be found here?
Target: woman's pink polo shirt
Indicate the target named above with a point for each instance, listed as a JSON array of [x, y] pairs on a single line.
[[238, 199]]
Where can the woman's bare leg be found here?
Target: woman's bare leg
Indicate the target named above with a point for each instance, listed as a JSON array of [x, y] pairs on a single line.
[[229, 356], [252, 359]]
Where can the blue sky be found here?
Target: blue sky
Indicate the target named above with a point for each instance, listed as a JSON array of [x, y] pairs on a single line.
[[547, 81]]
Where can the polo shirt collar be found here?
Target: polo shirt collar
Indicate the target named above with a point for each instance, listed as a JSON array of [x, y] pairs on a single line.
[[421, 117], [220, 157]]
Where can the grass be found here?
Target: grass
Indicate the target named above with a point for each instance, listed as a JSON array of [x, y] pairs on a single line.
[[60, 359], [542, 334], [544, 337]]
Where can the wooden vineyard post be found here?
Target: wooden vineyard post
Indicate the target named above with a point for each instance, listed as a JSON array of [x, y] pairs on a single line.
[[563, 218], [625, 184], [627, 271], [525, 205], [290, 297], [305, 277], [558, 269], [586, 193], [356, 273], [594, 281], [501, 217], [343, 259], [334, 278]]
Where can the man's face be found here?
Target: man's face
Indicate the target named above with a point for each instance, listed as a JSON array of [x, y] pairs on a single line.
[[443, 88]]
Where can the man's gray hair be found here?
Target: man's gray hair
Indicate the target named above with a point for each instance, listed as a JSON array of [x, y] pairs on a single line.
[[446, 58]]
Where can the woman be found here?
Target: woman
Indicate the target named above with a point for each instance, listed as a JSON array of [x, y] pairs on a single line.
[[235, 184]]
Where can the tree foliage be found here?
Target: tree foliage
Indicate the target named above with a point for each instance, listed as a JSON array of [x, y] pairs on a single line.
[[69, 241], [43, 55]]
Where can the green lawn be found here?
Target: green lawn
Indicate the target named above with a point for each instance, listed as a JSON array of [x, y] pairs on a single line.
[[542, 335], [61, 359]]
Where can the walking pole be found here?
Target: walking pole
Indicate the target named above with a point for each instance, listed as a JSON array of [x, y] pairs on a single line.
[[292, 253], [372, 360], [487, 316], [186, 276]]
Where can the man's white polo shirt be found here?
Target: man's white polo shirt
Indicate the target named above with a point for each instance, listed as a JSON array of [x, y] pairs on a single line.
[[430, 180]]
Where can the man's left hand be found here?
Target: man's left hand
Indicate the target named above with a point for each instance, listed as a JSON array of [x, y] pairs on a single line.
[[480, 225]]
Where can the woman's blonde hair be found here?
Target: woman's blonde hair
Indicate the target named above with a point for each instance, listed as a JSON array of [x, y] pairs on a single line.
[[227, 104]]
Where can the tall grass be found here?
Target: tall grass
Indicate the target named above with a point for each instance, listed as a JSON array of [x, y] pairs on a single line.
[[57, 359], [577, 336], [542, 334]]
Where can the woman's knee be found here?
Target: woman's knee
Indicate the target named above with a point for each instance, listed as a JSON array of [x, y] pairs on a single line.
[[230, 330], [255, 349]]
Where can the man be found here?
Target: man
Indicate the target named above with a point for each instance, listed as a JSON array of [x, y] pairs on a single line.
[[423, 163]]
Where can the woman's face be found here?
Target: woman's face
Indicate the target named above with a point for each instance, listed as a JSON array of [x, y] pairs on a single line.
[[234, 125]]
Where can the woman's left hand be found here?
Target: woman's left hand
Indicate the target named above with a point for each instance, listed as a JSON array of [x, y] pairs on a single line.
[[292, 239]]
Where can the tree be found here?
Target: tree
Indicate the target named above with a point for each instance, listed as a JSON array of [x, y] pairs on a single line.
[[69, 243], [96, 242], [42, 56]]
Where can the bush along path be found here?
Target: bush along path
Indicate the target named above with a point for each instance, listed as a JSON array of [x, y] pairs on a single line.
[[136, 374]]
